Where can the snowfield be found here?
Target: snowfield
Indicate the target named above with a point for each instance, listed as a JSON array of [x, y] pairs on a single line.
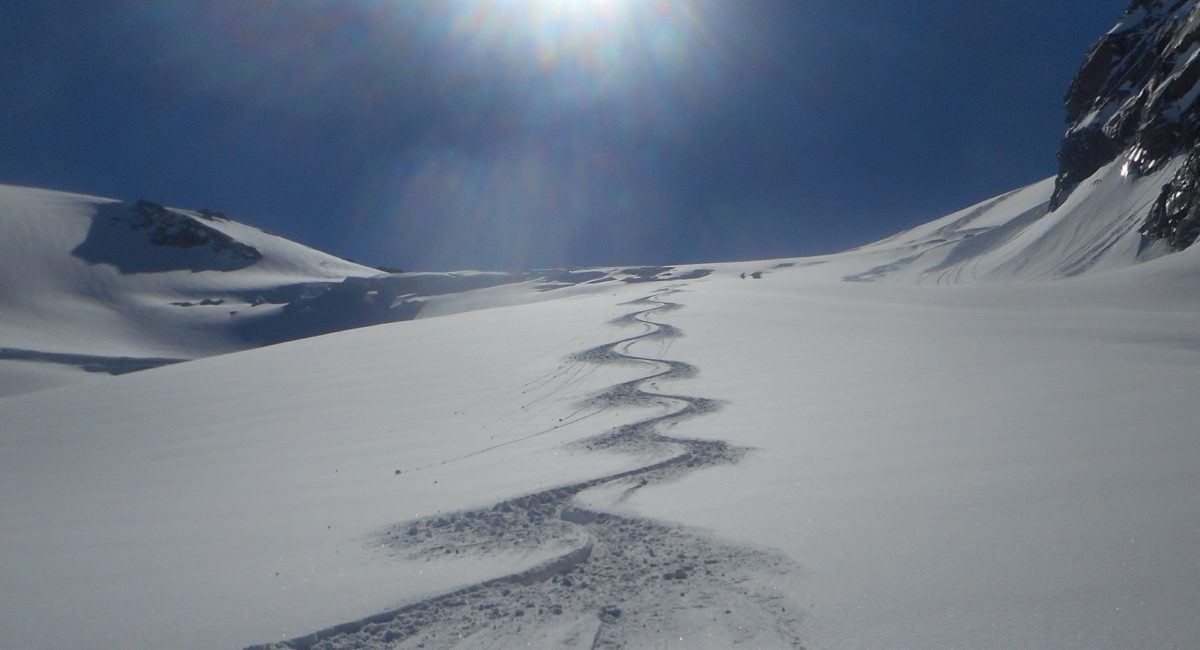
[[841, 452]]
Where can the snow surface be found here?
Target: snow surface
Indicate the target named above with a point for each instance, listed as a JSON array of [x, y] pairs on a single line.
[[86, 291], [1009, 461], [53, 301], [1013, 238]]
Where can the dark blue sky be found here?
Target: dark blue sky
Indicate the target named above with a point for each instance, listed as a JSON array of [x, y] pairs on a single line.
[[442, 134]]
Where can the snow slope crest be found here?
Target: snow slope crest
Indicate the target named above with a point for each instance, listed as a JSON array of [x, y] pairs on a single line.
[[1016, 237]]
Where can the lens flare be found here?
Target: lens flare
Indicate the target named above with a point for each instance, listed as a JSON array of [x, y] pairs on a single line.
[[578, 11], [564, 113], [576, 51]]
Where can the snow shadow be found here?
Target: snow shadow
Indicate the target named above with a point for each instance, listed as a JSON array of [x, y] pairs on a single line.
[[147, 238], [323, 308], [88, 362]]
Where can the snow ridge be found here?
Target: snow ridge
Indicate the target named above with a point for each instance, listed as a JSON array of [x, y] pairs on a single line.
[[618, 578]]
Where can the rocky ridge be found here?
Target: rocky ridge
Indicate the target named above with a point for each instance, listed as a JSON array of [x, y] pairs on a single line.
[[1136, 96]]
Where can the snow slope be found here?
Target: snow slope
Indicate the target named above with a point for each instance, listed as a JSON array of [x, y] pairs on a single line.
[[815, 461], [979, 467], [80, 287], [1014, 237], [91, 287], [976, 433]]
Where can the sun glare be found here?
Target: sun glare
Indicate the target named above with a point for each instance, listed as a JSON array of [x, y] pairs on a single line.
[[587, 30], [580, 48], [601, 35], [552, 91], [555, 30], [578, 10]]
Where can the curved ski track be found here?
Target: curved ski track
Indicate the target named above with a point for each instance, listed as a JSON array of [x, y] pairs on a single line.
[[618, 581]]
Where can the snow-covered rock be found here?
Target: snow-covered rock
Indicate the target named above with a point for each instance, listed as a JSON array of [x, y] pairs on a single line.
[[1135, 101]]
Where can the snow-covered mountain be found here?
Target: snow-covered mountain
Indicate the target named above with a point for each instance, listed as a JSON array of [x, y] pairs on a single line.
[[99, 285], [91, 287], [1015, 236], [978, 433], [1126, 191]]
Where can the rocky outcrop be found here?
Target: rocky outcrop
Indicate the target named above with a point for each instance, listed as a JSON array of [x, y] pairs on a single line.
[[1175, 216], [1137, 96], [167, 228], [146, 237]]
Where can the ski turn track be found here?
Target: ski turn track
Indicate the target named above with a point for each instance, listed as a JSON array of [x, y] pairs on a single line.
[[619, 581]]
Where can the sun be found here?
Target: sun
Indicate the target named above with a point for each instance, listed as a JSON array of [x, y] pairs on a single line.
[[596, 12], [574, 28], [570, 53], [563, 26]]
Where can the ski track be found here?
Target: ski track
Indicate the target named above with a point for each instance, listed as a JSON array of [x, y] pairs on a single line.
[[617, 580]]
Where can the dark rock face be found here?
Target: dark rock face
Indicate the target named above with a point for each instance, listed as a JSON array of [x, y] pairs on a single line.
[[1175, 216], [1137, 95], [167, 228], [148, 238]]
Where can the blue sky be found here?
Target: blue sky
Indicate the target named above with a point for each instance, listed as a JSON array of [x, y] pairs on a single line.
[[509, 134]]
